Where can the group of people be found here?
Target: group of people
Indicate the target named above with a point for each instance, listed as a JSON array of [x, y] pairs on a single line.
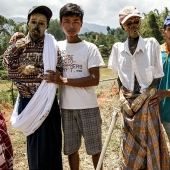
[[36, 63]]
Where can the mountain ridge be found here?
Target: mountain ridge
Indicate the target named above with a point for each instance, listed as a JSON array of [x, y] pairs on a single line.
[[87, 27]]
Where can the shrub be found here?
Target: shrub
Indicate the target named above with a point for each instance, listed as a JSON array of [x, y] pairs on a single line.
[[6, 96]]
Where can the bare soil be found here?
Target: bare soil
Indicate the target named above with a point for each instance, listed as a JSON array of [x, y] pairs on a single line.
[[105, 99]]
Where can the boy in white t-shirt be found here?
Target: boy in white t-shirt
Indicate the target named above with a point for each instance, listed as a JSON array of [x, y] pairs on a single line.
[[78, 101]]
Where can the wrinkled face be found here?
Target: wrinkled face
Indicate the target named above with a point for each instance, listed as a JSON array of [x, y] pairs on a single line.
[[71, 25], [132, 27], [37, 25], [166, 33]]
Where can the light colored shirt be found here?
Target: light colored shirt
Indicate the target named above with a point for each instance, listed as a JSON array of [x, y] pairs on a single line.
[[145, 63], [77, 59]]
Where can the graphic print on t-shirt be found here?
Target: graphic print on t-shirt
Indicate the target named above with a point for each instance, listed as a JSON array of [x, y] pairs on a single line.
[[69, 64]]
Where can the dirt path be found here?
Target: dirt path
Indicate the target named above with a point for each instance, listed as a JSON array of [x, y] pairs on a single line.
[[106, 99]]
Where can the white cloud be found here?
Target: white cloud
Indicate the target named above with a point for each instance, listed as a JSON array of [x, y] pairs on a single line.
[[103, 12]]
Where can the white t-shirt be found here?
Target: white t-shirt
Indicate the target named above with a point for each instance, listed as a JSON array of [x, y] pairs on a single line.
[[77, 59], [145, 63]]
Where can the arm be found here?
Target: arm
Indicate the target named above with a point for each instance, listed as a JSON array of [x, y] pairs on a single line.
[[91, 80], [138, 102], [113, 58], [155, 99], [156, 62], [10, 55], [91, 63], [160, 95], [119, 83], [152, 85]]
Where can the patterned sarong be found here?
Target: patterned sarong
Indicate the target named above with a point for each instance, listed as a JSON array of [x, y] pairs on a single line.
[[6, 151], [143, 144]]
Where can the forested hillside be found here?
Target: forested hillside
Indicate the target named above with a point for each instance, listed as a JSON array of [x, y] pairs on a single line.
[[152, 24]]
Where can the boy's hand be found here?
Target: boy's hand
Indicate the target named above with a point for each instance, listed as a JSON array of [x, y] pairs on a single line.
[[54, 77], [156, 98]]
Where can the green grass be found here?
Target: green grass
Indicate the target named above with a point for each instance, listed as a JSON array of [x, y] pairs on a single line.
[[106, 73], [5, 86], [4, 81], [111, 155]]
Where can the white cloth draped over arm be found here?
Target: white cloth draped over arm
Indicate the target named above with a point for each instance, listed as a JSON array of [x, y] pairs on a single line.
[[40, 104]]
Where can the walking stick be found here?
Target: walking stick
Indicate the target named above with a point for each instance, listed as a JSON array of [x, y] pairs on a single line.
[[113, 122]]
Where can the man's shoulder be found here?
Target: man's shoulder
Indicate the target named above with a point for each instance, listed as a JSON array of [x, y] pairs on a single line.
[[89, 43], [163, 48], [61, 42], [150, 40], [118, 45]]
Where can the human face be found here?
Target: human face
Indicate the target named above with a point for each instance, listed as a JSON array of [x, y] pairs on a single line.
[[166, 33], [37, 25], [71, 25], [132, 27]]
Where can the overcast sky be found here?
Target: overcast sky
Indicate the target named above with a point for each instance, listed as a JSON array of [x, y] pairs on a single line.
[[103, 12]]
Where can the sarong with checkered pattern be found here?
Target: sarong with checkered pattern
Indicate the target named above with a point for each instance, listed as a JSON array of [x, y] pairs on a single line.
[[143, 144]]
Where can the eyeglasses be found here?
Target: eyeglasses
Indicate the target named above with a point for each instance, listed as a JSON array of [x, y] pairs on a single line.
[[129, 23]]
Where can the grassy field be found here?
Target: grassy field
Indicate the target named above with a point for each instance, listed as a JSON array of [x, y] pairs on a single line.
[[5, 85], [107, 95], [106, 73], [106, 98]]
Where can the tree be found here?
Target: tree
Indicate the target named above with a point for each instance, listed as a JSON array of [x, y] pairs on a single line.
[[7, 28], [21, 27], [120, 35], [56, 30], [108, 29], [164, 14], [5, 25], [153, 23]]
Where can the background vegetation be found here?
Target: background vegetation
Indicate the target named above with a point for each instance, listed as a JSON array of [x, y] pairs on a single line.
[[151, 26]]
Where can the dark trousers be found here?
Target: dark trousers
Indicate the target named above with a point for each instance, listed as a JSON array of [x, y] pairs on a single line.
[[44, 145]]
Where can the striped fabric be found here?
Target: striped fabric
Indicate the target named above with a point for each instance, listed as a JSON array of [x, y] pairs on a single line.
[[143, 144], [31, 55], [6, 152]]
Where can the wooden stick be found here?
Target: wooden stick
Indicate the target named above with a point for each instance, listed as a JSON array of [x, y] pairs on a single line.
[[113, 122]]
